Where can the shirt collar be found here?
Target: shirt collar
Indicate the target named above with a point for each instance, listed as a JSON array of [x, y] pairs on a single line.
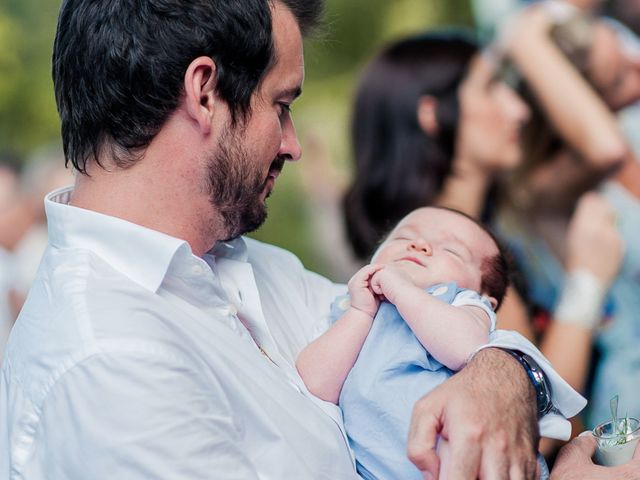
[[140, 253], [235, 249]]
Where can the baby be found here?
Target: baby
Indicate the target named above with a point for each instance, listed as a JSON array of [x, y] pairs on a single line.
[[412, 318]]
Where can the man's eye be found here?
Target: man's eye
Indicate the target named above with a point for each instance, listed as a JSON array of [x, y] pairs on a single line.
[[284, 107]]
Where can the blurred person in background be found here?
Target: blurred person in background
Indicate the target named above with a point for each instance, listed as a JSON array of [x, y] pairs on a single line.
[[491, 14], [623, 15], [442, 135], [432, 124], [624, 18], [578, 72], [626, 11]]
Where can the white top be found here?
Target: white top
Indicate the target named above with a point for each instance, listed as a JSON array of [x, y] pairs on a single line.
[[129, 360]]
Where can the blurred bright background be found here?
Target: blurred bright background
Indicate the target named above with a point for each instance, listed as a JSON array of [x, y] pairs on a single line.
[[354, 30]]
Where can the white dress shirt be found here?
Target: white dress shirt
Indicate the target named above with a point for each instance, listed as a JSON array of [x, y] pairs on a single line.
[[135, 359], [129, 361]]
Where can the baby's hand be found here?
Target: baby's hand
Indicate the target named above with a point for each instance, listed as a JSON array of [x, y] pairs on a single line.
[[390, 280], [362, 296]]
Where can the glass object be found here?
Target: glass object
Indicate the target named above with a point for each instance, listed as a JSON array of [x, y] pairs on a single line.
[[617, 440]]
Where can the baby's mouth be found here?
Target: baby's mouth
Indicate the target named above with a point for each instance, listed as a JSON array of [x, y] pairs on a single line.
[[413, 259]]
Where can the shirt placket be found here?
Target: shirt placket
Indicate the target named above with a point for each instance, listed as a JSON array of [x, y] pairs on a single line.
[[238, 281], [240, 285]]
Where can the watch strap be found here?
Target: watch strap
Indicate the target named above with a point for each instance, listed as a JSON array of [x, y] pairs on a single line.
[[538, 379]]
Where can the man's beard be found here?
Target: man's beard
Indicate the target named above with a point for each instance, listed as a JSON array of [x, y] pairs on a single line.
[[235, 185]]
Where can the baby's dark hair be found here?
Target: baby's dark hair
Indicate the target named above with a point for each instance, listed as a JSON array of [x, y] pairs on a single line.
[[496, 273]]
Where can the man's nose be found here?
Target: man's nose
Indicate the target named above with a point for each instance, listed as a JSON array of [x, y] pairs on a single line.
[[421, 246], [290, 148]]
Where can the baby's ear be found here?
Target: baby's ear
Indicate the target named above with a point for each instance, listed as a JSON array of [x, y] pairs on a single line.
[[493, 301]]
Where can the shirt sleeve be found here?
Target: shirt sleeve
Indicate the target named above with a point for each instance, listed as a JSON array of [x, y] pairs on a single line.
[[470, 298], [565, 399], [138, 417]]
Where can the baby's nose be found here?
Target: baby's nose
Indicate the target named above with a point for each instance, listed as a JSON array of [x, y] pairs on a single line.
[[422, 247]]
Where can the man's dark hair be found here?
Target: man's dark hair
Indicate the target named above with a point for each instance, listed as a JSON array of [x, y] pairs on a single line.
[[119, 65]]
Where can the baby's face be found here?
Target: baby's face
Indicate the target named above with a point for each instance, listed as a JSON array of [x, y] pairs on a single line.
[[437, 246]]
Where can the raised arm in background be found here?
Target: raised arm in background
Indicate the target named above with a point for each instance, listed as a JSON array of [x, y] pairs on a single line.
[[578, 113]]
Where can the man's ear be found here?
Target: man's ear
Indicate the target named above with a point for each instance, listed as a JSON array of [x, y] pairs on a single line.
[[200, 92], [493, 302], [427, 115]]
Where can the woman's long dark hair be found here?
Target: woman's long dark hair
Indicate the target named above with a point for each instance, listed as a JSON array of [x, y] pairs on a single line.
[[398, 167]]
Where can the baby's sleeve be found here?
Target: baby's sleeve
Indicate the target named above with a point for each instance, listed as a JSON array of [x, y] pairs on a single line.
[[469, 297], [340, 305]]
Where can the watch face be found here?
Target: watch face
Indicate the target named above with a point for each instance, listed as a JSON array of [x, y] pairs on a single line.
[[543, 394]]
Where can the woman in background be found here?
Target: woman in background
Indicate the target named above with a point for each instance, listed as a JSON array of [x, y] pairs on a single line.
[[577, 72], [430, 118], [434, 125]]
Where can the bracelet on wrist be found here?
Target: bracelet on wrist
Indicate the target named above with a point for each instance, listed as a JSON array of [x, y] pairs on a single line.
[[581, 300]]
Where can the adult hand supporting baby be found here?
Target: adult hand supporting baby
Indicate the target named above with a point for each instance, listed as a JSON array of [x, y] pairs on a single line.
[[487, 413]]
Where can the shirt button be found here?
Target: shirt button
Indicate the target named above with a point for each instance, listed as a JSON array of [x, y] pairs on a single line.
[[232, 310], [441, 290], [197, 269], [345, 303]]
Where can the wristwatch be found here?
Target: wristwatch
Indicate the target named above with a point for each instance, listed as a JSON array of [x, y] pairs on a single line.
[[538, 379]]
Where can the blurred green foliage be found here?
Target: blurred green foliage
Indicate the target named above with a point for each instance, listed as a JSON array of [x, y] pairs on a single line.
[[28, 115], [354, 30]]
